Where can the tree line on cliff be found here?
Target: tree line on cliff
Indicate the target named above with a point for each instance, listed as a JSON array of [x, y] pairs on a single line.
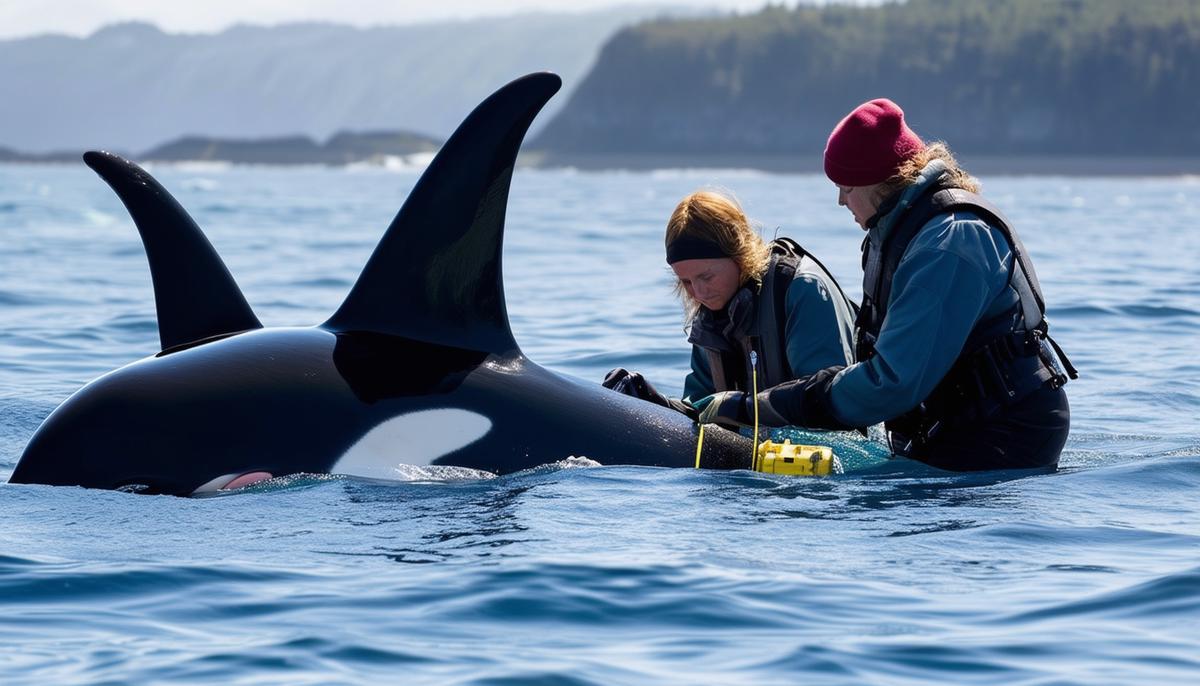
[[1005, 77]]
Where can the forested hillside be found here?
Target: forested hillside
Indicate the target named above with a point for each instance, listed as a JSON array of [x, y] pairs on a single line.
[[1078, 77]]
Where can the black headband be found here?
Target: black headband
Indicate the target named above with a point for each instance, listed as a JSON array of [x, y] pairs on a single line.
[[688, 247]]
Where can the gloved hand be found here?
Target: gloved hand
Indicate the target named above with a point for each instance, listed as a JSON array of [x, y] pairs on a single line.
[[735, 409], [729, 409], [806, 401], [635, 385]]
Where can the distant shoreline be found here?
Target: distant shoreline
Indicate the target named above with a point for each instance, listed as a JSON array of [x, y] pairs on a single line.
[[982, 165]]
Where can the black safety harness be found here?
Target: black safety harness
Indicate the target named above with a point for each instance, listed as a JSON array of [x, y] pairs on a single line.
[[1005, 358]]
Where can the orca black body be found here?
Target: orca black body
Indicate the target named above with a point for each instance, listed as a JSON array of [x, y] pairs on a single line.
[[418, 365]]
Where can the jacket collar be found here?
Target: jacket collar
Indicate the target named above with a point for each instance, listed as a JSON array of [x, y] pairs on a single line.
[[721, 330], [928, 176]]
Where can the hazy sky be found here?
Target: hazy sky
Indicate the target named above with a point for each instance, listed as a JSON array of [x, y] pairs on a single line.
[[81, 17]]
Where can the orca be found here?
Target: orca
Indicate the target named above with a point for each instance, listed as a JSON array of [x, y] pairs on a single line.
[[418, 366]]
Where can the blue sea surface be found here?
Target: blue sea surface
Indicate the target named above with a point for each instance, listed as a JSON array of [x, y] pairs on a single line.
[[573, 574]]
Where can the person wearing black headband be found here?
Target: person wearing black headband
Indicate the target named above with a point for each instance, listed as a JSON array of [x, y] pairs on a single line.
[[743, 295]]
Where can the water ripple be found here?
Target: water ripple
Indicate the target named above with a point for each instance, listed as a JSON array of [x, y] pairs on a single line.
[[1170, 597], [577, 574]]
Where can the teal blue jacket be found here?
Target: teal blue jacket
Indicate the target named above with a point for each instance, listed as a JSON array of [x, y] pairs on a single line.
[[819, 332], [953, 275]]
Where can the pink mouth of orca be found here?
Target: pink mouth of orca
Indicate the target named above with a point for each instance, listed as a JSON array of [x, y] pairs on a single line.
[[246, 480]]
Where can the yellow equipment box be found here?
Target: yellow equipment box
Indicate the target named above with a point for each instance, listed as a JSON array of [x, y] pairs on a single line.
[[797, 460]]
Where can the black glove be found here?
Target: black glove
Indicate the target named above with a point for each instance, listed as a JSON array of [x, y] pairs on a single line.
[[806, 401], [635, 385], [729, 409], [735, 409]]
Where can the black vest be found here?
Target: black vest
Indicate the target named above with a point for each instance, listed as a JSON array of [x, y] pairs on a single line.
[[757, 322], [1004, 358]]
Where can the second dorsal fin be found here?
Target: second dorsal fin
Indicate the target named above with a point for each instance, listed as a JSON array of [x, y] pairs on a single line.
[[194, 293], [435, 275]]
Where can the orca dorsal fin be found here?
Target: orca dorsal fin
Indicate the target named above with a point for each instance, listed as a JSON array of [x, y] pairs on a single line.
[[435, 275], [194, 293]]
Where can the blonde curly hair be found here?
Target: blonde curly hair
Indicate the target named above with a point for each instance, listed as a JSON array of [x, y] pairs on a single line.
[[906, 175], [717, 217]]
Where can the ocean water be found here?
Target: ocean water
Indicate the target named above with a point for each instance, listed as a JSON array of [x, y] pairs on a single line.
[[573, 574]]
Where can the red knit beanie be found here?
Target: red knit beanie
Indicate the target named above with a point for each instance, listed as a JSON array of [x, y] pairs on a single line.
[[870, 144]]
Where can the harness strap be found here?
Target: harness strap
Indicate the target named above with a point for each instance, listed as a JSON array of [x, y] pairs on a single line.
[[1062, 357], [772, 315], [716, 366]]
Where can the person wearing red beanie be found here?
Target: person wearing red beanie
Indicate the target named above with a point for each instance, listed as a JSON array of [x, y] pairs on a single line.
[[952, 346], [868, 146]]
